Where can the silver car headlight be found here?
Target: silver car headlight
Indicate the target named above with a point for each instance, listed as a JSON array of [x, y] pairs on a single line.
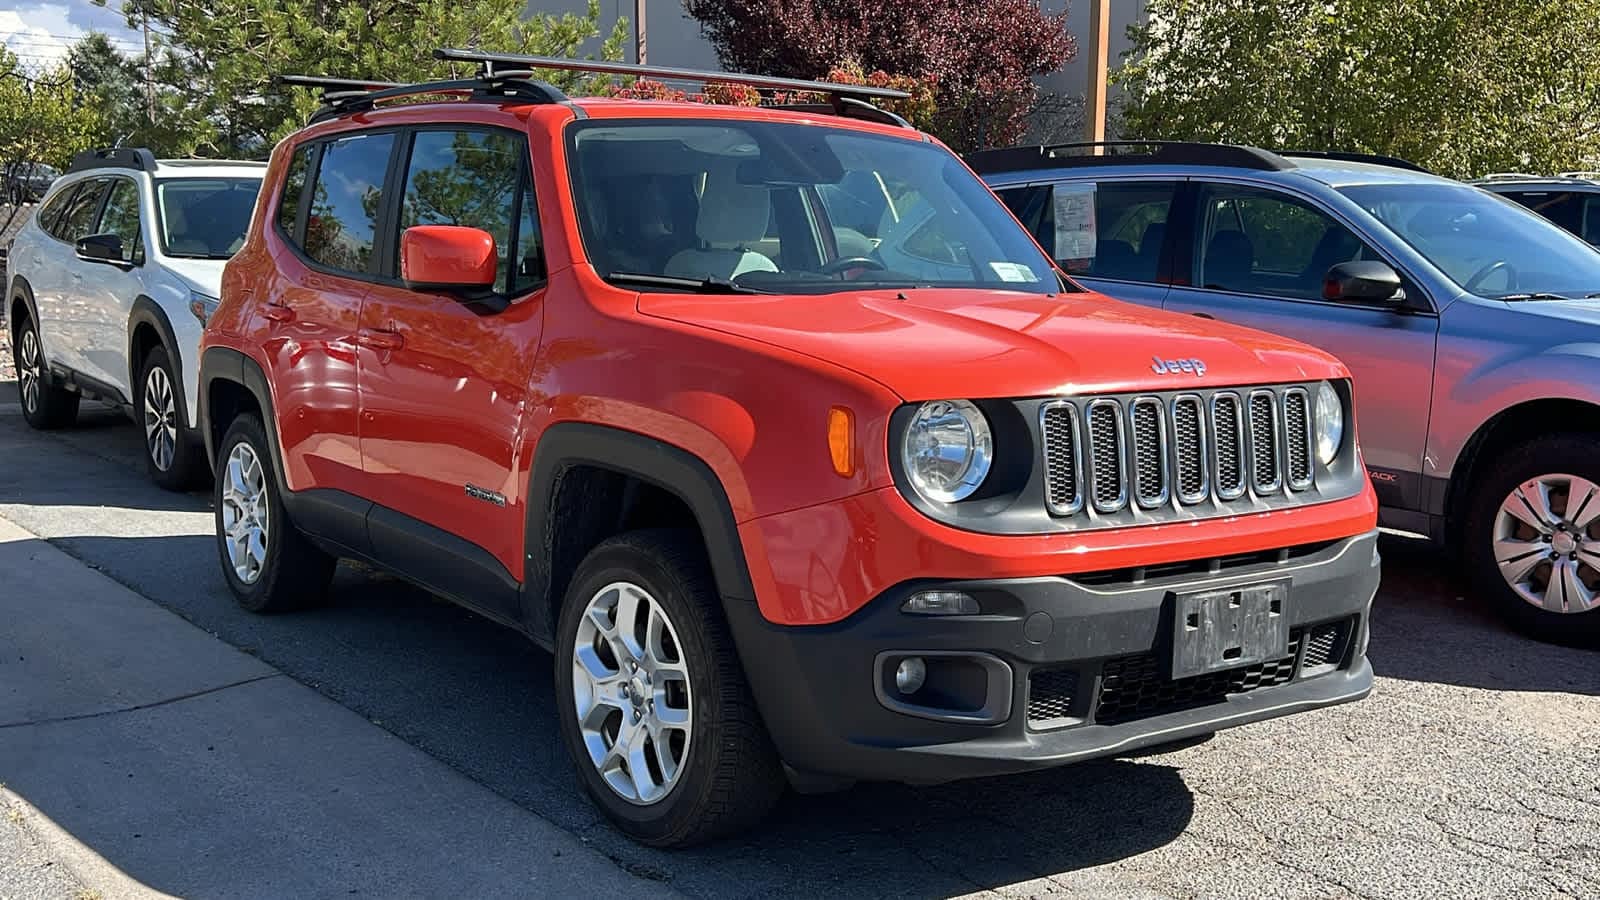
[[947, 450], [1330, 423]]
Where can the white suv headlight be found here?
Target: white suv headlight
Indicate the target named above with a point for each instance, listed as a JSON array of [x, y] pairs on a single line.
[[201, 306], [1330, 423], [946, 450]]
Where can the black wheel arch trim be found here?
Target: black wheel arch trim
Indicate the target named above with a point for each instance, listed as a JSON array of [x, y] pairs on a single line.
[[147, 312], [22, 290], [673, 469], [226, 364]]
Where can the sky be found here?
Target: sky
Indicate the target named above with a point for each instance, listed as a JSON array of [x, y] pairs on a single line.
[[39, 33]]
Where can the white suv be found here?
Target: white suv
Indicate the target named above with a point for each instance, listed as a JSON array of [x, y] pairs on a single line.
[[109, 287]]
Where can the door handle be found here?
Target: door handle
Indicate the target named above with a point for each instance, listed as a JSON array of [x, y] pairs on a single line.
[[1202, 315], [381, 339], [278, 312]]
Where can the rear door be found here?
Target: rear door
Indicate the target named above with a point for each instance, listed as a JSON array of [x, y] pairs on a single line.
[[1110, 234], [443, 382], [1257, 256], [65, 321]]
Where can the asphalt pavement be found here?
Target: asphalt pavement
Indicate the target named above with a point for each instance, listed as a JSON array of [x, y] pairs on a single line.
[[1473, 770]]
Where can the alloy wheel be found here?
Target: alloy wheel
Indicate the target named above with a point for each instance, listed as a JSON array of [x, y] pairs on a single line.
[[28, 369], [160, 418], [245, 519], [630, 684], [1547, 543]]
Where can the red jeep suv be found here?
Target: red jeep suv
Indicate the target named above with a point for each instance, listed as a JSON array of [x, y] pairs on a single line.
[[783, 435]]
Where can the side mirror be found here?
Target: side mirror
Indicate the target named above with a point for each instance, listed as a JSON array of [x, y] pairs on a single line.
[[106, 248], [1363, 281], [448, 258]]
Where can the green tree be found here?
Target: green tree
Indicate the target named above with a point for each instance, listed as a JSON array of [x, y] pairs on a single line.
[[41, 119], [1460, 86], [221, 56], [113, 86]]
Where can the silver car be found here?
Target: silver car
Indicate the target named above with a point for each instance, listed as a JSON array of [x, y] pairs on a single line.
[[1472, 327]]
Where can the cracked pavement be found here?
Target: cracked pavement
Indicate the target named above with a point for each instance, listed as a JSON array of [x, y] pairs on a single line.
[[1472, 770]]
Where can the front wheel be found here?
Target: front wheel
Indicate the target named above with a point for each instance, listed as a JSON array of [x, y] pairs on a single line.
[[171, 454], [1533, 537], [654, 706]]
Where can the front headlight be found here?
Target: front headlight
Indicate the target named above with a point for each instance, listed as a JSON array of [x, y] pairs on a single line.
[[946, 450], [1330, 423], [201, 306]]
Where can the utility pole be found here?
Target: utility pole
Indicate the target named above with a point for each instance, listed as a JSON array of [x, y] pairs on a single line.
[[1094, 95], [149, 83], [638, 30]]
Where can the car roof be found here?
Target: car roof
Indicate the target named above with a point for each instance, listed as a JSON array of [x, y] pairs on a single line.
[[1536, 182], [203, 168], [1182, 159]]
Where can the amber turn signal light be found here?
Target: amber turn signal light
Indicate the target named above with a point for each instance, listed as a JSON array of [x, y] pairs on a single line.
[[842, 440]]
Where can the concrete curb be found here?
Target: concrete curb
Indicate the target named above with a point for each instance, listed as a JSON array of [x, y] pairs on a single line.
[[91, 869]]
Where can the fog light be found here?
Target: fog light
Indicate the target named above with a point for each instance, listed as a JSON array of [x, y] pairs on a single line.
[[910, 674], [940, 603]]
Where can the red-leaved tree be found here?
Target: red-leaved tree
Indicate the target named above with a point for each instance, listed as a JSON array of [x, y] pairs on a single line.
[[980, 55]]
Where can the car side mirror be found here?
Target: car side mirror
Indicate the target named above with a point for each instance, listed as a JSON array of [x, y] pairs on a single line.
[[106, 248], [450, 258], [1363, 281]]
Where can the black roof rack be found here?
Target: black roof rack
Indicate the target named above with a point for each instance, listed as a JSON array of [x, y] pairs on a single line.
[[137, 158], [342, 96], [1393, 162], [1183, 153]]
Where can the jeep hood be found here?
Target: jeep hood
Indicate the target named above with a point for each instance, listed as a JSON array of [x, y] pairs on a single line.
[[927, 344]]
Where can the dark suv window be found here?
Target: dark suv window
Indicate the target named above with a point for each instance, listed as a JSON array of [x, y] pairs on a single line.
[[346, 197], [78, 218], [294, 184], [1254, 241], [1576, 211], [1110, 229], [471, 178], [121, 218], [50, 214]]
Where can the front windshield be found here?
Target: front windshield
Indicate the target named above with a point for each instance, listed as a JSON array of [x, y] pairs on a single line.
[[1487, 244], [205, 218], [788, 208]]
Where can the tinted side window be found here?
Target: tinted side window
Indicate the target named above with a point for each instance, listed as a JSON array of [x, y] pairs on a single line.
[[1564, 208], [345, 200], [78, 219], [1259, 242], [528, 257], [1112, 229], [467, 178], [1591, 219], [50, 214], [121, 218], [294, 184]]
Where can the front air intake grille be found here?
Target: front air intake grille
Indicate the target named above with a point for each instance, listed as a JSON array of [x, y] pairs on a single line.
[[1133, 687], [1325, 646], [1050, 694], [1130, 459]]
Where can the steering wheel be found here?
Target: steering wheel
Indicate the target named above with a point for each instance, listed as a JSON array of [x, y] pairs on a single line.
[[845, 263], [1483, 274]]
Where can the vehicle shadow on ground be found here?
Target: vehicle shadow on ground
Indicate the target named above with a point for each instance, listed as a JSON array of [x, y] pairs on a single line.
[[481, 698], [1429, 625], [54, 477]]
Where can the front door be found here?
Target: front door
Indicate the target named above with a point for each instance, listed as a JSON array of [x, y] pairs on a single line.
[[1259, 257], [109, 290], [443, 381]]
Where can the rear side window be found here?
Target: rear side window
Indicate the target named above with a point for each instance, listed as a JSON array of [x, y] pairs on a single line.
[[468, 178], [1114, 229], [50, 214], [1576, 211], [78, 218], [294, 184], [346, 197]]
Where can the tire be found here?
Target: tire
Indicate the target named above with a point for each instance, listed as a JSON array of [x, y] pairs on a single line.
[[16, 196], [1567, 465], [287, 572], [45, 406], [727, 773], [173, 456]]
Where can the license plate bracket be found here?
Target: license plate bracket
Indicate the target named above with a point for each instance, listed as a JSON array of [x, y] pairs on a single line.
[[1227, 628]]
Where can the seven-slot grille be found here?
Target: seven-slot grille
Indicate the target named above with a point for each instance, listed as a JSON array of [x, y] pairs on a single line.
[[1147, 452]]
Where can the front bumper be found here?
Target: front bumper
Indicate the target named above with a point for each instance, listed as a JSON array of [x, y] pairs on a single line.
[[1055, 670]]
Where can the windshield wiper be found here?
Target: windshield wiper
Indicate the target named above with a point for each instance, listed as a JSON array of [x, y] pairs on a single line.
[[1535, 295], [711, 285]]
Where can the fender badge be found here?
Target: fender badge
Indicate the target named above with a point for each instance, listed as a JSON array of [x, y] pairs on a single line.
[[486, 495]]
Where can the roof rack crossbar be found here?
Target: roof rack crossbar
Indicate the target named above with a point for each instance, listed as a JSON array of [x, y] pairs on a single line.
[[341, 96], [137, 158], [490, 61], [1379, 159], [1583, 175], [1016, 159]]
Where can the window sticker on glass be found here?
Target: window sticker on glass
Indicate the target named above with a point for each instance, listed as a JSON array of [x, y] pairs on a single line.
[[1074, 214], [1010, 271]]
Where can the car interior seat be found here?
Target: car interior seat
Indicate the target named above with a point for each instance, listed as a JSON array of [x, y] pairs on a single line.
[[1229, 262], [732, 216]]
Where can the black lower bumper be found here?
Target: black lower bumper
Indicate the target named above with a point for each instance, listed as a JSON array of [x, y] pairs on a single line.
[[1054, 670]]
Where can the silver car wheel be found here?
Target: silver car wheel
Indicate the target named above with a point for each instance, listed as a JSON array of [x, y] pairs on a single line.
[[160, 418], [1547, 543], [245, 519], [28, 369], [630, 686]]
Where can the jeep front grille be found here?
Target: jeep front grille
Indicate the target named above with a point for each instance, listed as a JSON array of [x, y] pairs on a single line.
[[1126, 459]]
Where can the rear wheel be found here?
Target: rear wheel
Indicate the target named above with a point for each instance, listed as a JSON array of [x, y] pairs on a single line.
[[655, 710], [172, 456], [1533, 537], [44, 405], [270, 566]]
